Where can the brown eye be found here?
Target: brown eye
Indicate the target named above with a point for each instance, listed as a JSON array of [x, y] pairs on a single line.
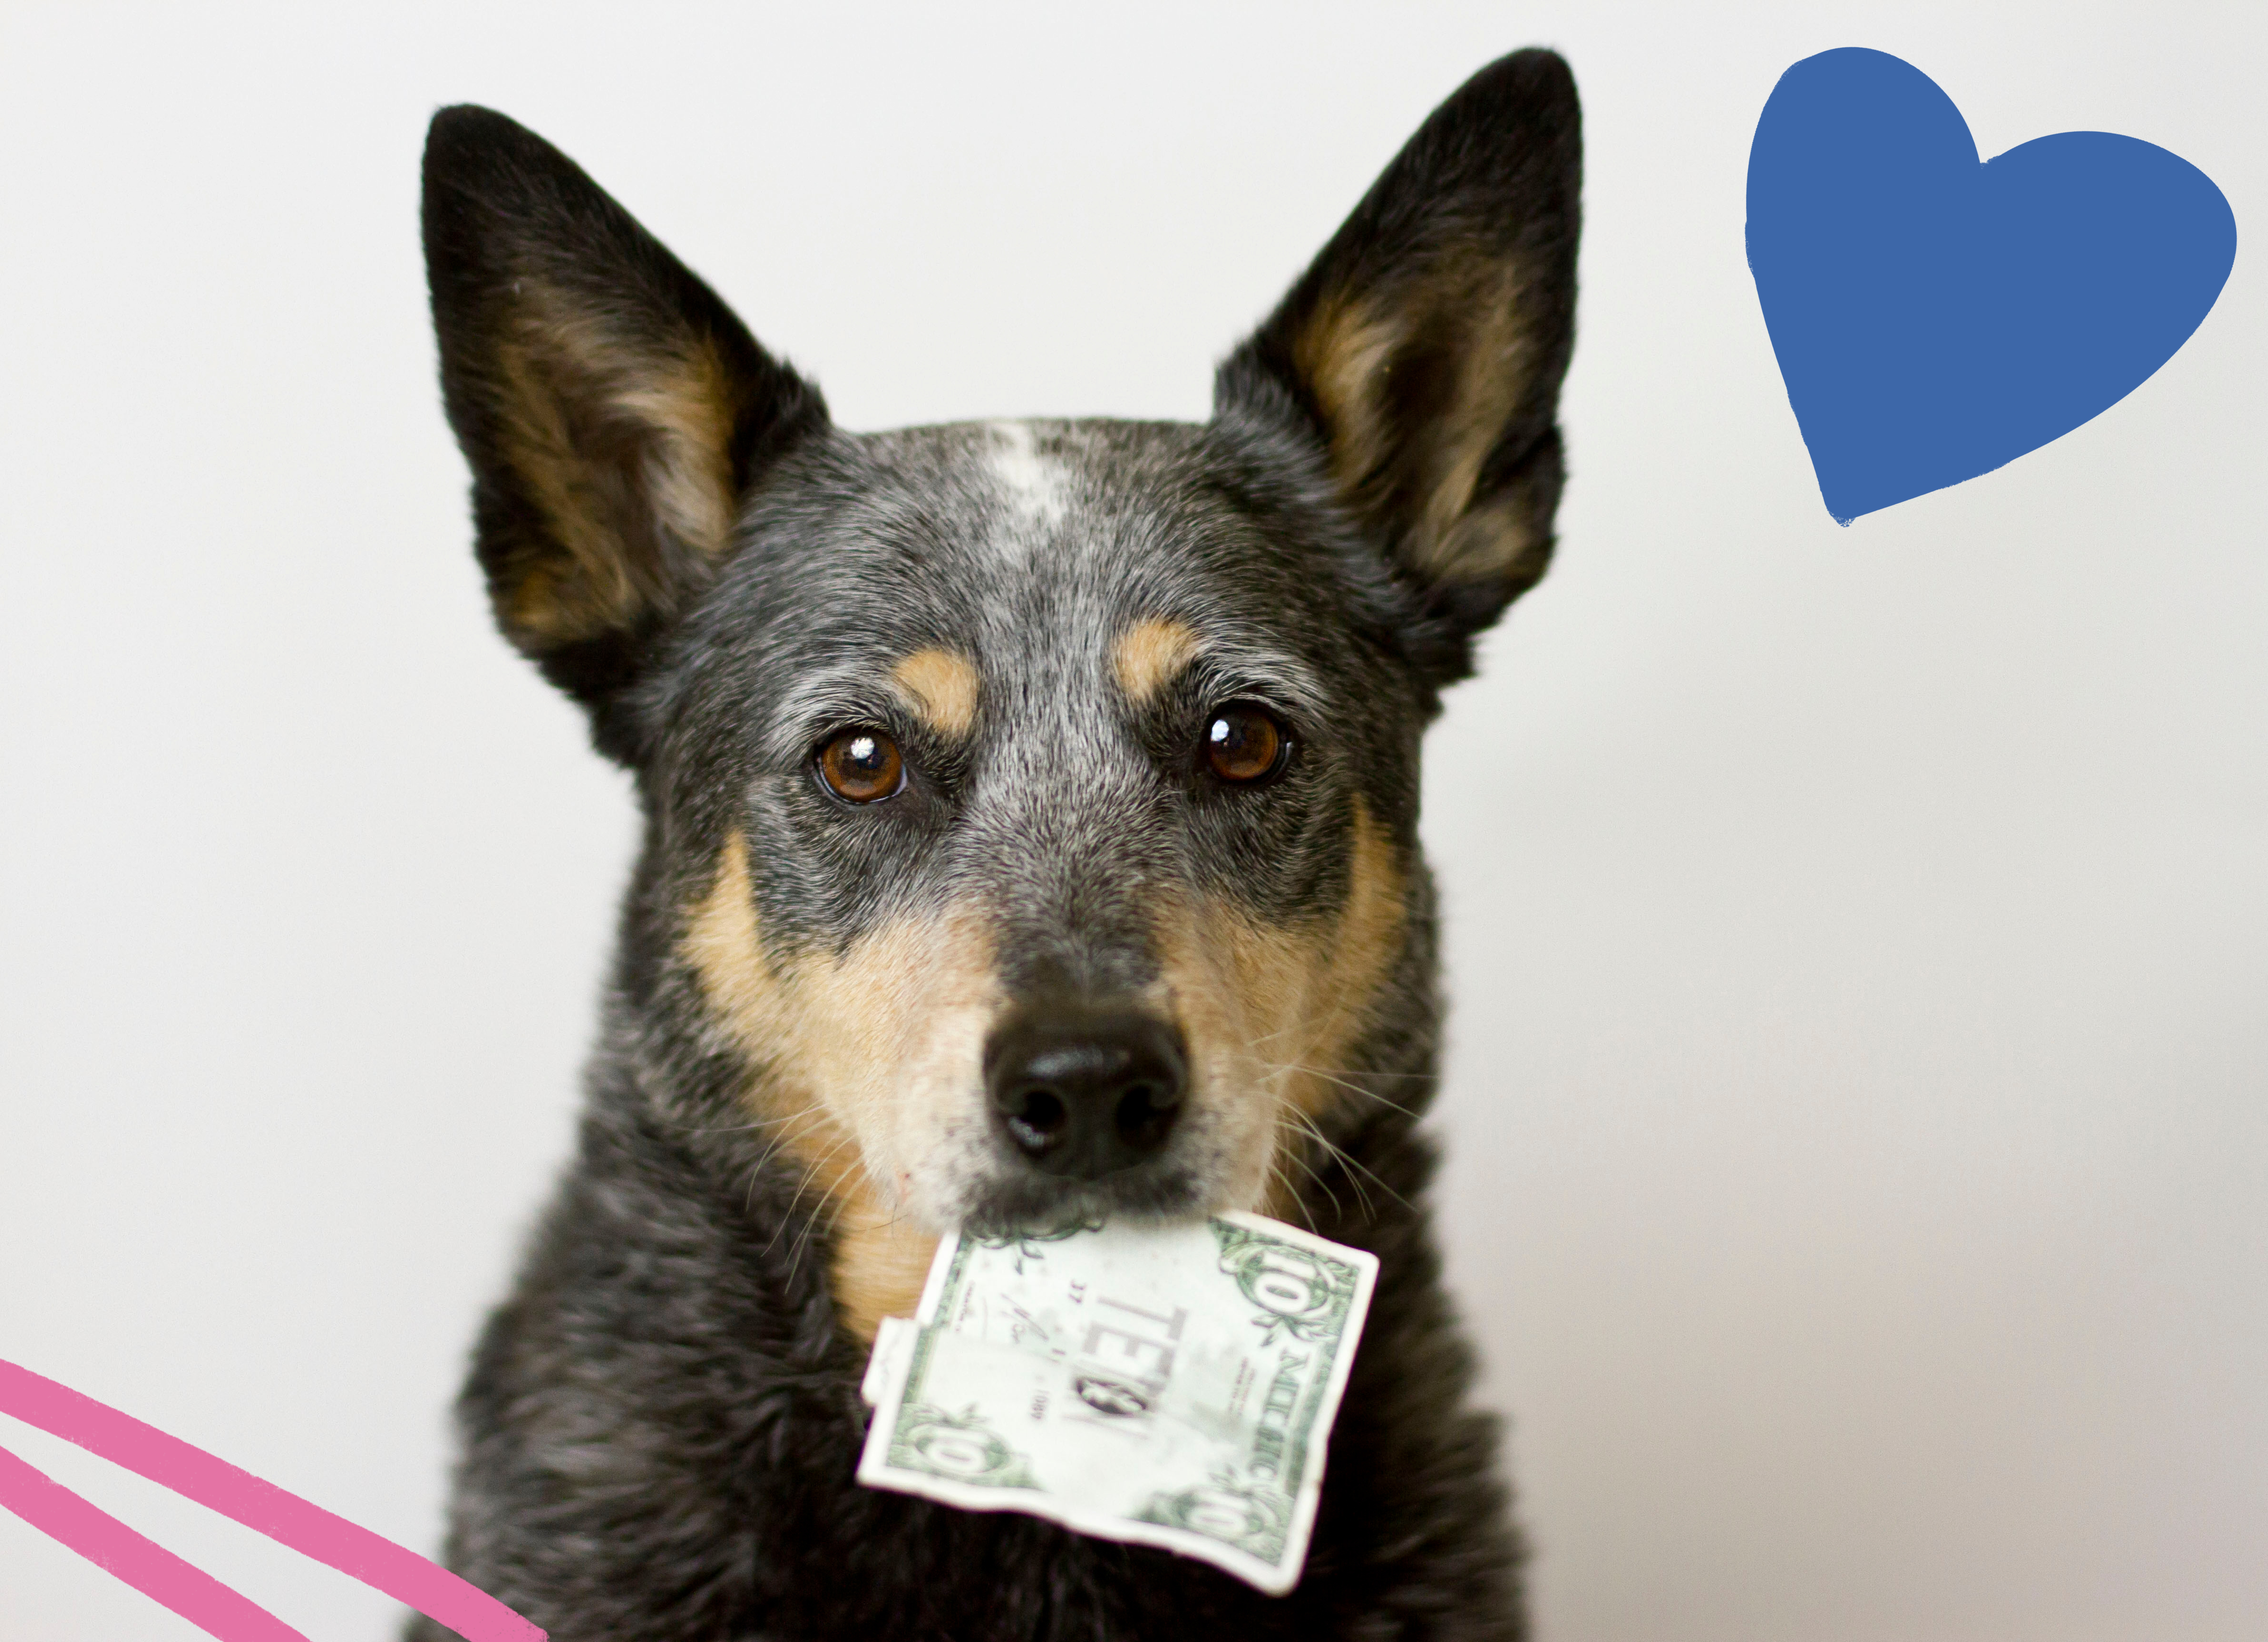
[[862, 765], [1245, 744]]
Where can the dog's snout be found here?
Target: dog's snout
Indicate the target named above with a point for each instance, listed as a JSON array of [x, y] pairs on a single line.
[[1084, 1093]]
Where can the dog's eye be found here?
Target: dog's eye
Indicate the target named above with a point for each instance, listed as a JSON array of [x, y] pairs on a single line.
[[862, 765], [1245, 744]]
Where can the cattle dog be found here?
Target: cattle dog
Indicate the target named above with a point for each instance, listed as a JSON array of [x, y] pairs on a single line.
[[1030, 836]]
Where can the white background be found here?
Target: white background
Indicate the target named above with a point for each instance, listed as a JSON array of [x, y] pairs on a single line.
[[1859, 1109]]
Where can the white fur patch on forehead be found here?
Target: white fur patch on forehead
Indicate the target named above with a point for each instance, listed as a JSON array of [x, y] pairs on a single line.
[[1034, 482]]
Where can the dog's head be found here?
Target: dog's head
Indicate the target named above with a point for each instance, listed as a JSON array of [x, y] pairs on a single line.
[[1033, 802]]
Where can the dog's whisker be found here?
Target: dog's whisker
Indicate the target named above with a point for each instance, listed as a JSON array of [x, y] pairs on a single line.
[[803, 1121], [1345, 1083], [1338, 1209], [1352, 1162], [1307, 1125], [810, 1220], [1291, 1189], [803, 1182], [1375, 1072], [1356, 1163], [1360, 1071], [832, 1210]]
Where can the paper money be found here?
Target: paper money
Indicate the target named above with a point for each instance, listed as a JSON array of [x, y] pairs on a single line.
[[1166, 1386]]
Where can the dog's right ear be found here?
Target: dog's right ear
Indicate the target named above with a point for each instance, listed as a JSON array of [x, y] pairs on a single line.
[[613, 409], [1422, 351]]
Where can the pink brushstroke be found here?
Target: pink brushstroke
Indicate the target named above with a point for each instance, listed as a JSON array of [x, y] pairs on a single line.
[[261, 1507], [143, 1564]]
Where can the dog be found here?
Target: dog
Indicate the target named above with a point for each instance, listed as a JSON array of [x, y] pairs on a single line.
[[1030, 837]]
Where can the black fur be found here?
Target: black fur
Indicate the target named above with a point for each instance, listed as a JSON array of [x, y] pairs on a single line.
[[662, 1422]]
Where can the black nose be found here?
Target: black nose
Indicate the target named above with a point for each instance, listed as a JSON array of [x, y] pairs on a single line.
[[1082, 1092]]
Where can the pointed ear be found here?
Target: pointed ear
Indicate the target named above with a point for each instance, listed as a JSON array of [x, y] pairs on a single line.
[[1422, 350], [614, 411]]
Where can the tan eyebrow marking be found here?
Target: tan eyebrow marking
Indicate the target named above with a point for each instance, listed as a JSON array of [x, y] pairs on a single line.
[[942, 686], [1149, 655]]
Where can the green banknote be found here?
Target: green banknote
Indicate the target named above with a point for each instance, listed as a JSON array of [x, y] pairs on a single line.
[[1166, 1386]]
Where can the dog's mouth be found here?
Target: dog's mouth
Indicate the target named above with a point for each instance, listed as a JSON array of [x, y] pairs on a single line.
[[1032, 1205]]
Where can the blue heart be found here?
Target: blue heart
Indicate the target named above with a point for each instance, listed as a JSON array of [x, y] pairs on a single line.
[[1935, 317]]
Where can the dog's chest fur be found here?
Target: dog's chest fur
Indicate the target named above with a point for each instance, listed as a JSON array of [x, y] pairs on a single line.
[[663, 1424]]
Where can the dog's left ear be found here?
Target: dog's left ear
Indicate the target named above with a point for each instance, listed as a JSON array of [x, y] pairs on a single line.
[[1423, 349]]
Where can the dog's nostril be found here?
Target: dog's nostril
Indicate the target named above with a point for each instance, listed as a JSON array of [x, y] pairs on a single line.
[[1037, 1119], [1142, 1115], [1085, 1092]]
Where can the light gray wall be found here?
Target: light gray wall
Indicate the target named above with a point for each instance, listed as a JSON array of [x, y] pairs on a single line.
[[1860, 936]]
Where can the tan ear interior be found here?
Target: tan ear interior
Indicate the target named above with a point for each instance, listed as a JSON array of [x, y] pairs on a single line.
[[625, 446], [1459, 322]]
